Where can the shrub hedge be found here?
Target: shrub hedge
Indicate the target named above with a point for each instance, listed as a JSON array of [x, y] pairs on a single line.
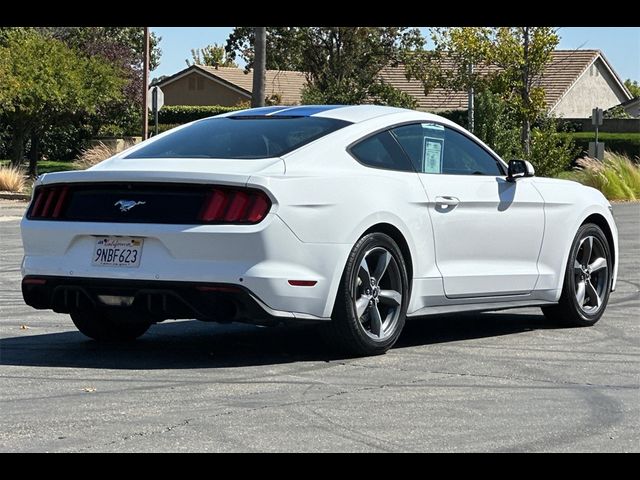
[[163, 127], [179, 114], [624, 143]]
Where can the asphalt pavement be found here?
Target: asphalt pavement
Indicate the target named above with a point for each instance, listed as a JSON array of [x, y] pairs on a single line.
[[507, 381]]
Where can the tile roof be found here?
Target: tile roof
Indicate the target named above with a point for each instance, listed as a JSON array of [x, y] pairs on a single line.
[[286, 83], [563, 70]]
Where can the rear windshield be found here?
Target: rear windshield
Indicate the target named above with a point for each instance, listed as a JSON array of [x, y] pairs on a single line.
[[240, 137]]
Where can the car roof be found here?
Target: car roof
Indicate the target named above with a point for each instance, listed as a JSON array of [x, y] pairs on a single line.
[[349, 113]]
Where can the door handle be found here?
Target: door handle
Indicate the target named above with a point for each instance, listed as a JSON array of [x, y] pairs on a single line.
[[447, 201]]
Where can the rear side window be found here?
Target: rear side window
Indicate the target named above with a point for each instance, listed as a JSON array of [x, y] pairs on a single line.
[[435, 148], [240, 138], [381, 151]]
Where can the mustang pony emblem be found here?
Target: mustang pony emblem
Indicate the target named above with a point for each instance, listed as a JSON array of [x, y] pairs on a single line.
[[126, 205]]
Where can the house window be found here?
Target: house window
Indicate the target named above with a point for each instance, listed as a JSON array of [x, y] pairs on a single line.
[[200, 83], [192, 83]]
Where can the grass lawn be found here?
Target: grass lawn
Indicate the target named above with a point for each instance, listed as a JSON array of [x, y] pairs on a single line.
[[47, 166]]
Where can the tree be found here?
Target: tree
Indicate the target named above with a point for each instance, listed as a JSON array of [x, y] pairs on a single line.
[[522, 53], [259, 67], [633, 87], [43, 81], [342, 64], [284, 47], [212, 56], [98, 39], [453, 63], [122, 47], [519, 53]]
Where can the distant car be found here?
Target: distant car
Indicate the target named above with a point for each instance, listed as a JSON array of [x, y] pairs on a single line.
[[352, 216]]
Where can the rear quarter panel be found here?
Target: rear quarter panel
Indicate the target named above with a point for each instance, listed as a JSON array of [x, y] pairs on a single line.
[[326, 196]]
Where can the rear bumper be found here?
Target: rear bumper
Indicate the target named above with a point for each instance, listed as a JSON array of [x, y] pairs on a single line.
[[159, 300], [260, 259]]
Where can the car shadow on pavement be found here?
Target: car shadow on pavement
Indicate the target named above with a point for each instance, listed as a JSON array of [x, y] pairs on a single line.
[[193, 344]]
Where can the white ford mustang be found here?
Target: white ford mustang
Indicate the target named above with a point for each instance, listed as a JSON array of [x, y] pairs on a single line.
[[355, 216]]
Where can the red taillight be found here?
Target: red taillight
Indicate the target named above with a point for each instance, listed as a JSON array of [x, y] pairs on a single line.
[[49, 202], [227, 205], [37, 205], [214, 207], [237, 207], [259, 209], [60, 202]]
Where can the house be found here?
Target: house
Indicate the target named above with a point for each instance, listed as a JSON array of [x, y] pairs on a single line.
[[630, 107], [575, 81], [227, 86]]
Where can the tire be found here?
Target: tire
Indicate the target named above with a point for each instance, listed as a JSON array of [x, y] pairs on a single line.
[[596, 282], [104, 325], [367, 318]]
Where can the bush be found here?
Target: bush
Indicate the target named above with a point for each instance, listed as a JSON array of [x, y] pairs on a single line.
[[64, 142], [11, 179], [623, 143], [96, 154], [617, 177], [551, 151], [163, 127], [461, 117], [494, 124], [180, 114], [497, 125], [5, 138]]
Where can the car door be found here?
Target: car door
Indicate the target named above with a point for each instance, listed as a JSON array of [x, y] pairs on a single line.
[[487, 231]]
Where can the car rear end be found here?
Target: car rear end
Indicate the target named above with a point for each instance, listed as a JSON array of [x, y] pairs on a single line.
[[172, 237], [182, 250]]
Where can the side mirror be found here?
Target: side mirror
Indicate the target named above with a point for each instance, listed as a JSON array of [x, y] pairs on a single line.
[[518, 169]]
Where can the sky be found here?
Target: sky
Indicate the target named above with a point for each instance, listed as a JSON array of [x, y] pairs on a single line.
[[621, 45]]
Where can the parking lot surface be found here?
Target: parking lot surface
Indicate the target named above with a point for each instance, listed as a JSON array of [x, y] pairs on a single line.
[[505, 381]]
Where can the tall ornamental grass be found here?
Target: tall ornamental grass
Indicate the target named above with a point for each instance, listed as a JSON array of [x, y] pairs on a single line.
[[617, 176]]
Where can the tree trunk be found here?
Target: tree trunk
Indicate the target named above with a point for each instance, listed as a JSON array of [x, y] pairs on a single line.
[[34, 154], [259, 67], [17, 146], [525, 136]]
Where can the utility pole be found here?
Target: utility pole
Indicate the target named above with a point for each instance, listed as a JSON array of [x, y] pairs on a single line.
[[259, 67], [145, 86], [470, 104]]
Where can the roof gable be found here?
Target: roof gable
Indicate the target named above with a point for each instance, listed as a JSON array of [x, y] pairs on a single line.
[[562, 72], [287, 84]]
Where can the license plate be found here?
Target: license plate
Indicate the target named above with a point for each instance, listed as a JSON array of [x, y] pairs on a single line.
[[117, 252]]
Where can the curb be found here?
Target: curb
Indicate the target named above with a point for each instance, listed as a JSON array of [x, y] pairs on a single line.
[[15, 196]]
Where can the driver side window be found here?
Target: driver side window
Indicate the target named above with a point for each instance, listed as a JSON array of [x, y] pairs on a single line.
[[434, 148]]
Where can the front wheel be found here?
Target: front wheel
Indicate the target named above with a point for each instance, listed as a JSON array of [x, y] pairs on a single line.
[[587, 280], [101, 325], [372, 300]]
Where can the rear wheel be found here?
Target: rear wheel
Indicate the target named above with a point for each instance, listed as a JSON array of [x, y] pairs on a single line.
[[371, 304], [587, 280], [104, 325]]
